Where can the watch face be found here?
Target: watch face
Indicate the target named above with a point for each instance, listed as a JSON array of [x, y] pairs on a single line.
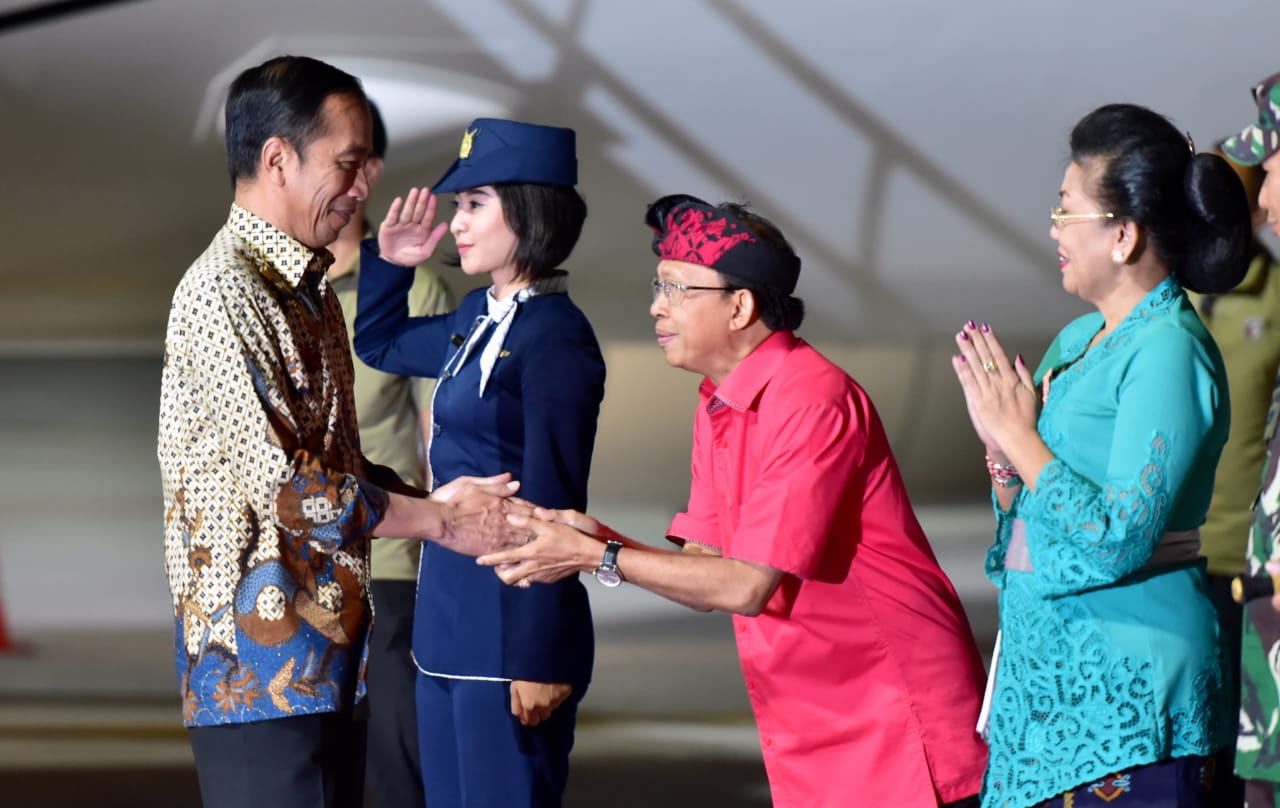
[[608, 576]]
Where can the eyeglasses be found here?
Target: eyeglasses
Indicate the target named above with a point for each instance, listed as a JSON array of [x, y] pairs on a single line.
[[673, 291], [1060, 217]]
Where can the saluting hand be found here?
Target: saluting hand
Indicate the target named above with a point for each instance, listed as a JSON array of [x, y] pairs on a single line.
[[409, 234]]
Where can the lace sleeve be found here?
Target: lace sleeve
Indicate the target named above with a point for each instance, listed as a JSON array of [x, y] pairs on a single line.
[[1083, 533], [996, 553]]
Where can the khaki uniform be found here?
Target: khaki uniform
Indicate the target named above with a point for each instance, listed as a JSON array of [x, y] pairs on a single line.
[[388, 407]]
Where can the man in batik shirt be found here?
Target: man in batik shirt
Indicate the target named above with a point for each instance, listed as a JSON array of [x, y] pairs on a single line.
[[269, 504]]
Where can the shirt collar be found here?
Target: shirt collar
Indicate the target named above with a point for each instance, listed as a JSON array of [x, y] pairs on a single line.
[[1159, 300], [555, 283], [272, 247], [742, 387]]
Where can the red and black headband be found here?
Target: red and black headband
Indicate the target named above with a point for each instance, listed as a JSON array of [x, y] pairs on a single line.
[[691, 230]]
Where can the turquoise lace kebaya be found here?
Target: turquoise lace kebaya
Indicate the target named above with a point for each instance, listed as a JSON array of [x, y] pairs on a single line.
[[1108, 660]]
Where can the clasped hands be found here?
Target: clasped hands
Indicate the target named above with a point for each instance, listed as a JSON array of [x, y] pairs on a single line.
[[564, 543], [1000, 394], [524, 543]]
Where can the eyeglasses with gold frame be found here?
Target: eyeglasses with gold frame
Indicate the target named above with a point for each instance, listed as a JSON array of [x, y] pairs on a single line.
[[1060, 217]]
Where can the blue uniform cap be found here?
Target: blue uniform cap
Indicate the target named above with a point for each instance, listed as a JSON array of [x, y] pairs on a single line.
[[496, 151]]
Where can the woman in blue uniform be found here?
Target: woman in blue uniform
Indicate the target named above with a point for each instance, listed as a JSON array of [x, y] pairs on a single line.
[[520, 380]]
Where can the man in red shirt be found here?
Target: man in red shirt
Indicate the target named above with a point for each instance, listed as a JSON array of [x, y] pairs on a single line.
[[861, 669]]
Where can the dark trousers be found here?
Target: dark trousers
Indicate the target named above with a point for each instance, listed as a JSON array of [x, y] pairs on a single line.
[[307, 761], [392, 771], [1177, 783], [476, 754], [1228, 790]]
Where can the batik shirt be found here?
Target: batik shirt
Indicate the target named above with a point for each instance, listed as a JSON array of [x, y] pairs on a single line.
[[266, 514], [1258, 744]]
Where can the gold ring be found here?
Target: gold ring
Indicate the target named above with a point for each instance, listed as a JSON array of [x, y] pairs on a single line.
[[989, 366], [523, 583]]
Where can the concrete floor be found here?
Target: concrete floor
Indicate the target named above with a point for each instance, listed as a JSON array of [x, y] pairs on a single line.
[[96, 713], [88, 701]]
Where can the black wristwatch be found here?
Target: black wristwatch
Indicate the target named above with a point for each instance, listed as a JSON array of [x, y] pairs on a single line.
[[607, 573]]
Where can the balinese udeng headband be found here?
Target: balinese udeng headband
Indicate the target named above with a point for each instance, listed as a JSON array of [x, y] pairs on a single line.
[[688, 229]]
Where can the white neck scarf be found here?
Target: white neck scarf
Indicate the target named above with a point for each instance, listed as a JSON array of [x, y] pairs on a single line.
[[500, 314]]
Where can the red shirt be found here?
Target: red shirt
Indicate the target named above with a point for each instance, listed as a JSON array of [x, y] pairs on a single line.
[[862, 671]]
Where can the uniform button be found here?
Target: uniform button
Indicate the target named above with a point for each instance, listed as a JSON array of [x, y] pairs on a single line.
[[751, 686], [768, 741], [435, 429]]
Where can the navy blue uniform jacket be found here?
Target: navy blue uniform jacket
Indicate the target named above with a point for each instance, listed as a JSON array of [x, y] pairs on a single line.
[[537, 420]]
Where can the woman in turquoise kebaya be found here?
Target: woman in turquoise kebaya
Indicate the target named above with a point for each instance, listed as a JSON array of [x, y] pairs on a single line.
[[1108, 684]]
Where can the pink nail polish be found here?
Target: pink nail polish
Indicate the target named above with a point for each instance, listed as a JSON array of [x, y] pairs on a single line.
[[1021, 361], [985, 328], [964, 337], [962, 359], [971, 325]]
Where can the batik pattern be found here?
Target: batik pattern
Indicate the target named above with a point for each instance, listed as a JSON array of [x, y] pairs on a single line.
[[266, 515], [1184, 782], [700, 236]]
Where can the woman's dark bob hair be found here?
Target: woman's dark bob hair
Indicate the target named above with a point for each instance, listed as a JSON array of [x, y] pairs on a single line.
[[1192, 207], [546, 220]]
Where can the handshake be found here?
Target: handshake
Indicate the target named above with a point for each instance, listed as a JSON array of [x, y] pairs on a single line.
[[482, 516]]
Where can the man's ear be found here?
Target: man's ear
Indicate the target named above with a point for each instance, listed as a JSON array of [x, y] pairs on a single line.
[[276, 157], [745, 310]]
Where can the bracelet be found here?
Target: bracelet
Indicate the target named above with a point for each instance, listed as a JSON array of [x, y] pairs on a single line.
[[1003, 474]]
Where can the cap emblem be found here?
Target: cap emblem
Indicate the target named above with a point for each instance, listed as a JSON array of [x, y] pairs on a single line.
[[465, 151]]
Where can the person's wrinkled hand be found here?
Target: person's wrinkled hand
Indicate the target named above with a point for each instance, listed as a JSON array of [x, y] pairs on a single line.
[[475, 514], [1000, 395], [533, 702], [557, 551], [521, 507], [409, 234], [499, 484]]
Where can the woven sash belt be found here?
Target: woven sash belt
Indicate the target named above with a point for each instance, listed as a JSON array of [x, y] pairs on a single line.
[[1175, 547]]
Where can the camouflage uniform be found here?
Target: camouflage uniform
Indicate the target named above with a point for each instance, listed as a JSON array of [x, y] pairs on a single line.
[[1258, 744]]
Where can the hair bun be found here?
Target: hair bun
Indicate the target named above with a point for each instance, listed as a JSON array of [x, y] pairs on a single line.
[[1220, 223], [1214, 191]]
